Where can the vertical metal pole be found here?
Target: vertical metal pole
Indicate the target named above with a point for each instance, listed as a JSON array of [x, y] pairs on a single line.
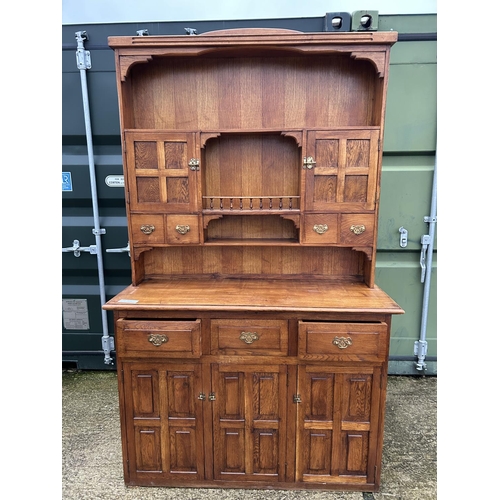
[[421, 344], [83, 63]]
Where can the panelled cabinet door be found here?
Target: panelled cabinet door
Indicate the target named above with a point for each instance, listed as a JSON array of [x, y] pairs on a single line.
[[337, 424], [341, 170], [164, 421], [162, 171], [249, 422]]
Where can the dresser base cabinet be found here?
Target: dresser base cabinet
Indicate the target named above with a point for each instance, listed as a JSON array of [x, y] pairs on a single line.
[[263, 398]]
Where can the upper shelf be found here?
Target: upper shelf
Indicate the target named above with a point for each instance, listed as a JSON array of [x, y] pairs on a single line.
[[365, 45], [253, 79]]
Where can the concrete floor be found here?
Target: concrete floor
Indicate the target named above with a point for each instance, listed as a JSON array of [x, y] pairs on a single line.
[[92, 460]]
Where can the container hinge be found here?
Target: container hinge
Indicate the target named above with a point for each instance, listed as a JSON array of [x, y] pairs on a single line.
[[430, 219], [296, 398], [420, 350], [108, 344], [82, 55]]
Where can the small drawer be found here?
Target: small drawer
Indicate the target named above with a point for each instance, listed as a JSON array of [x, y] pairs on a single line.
[[357, 229], [343, 341], [173, 339], [320, 228], [147, 229], [243, 337], [182, 229]]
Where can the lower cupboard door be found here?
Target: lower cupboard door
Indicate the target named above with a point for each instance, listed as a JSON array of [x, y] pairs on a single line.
[[338, 420], [249, 422], [163, 422]]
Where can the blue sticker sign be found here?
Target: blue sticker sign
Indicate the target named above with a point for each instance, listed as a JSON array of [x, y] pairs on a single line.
[[67, 183]]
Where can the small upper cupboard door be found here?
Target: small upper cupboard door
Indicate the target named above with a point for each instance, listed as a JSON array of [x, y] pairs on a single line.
[[341, 170], [162, 171]]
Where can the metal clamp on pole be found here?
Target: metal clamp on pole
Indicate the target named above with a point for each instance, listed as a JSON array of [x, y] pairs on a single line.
[[82, 55], [120, 250], [76, 249]]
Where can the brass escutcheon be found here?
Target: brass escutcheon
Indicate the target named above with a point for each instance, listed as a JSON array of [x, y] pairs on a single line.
[[309, 162], [182, 229], [342, 342], [194, 164], [320, 228], [249, 337], [147, 228], [358, 229], [157, 339]]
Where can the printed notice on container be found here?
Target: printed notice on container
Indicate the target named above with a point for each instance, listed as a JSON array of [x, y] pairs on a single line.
[[75, 314]]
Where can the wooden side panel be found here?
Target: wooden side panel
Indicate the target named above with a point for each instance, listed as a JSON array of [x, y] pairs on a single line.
[[249, 422]]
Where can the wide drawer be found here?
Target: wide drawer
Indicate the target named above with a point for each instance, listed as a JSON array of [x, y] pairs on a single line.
[[249, 337], [149, 338], [343, 341]]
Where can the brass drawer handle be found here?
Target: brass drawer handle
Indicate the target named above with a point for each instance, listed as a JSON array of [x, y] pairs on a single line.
[[320, 228], [157, 339], [342, 342], [358, 229], [249, 337], [147, 228], [182, 229]]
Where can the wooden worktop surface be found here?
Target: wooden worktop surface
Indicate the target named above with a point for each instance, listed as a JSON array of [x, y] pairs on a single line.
[[233, 294]]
